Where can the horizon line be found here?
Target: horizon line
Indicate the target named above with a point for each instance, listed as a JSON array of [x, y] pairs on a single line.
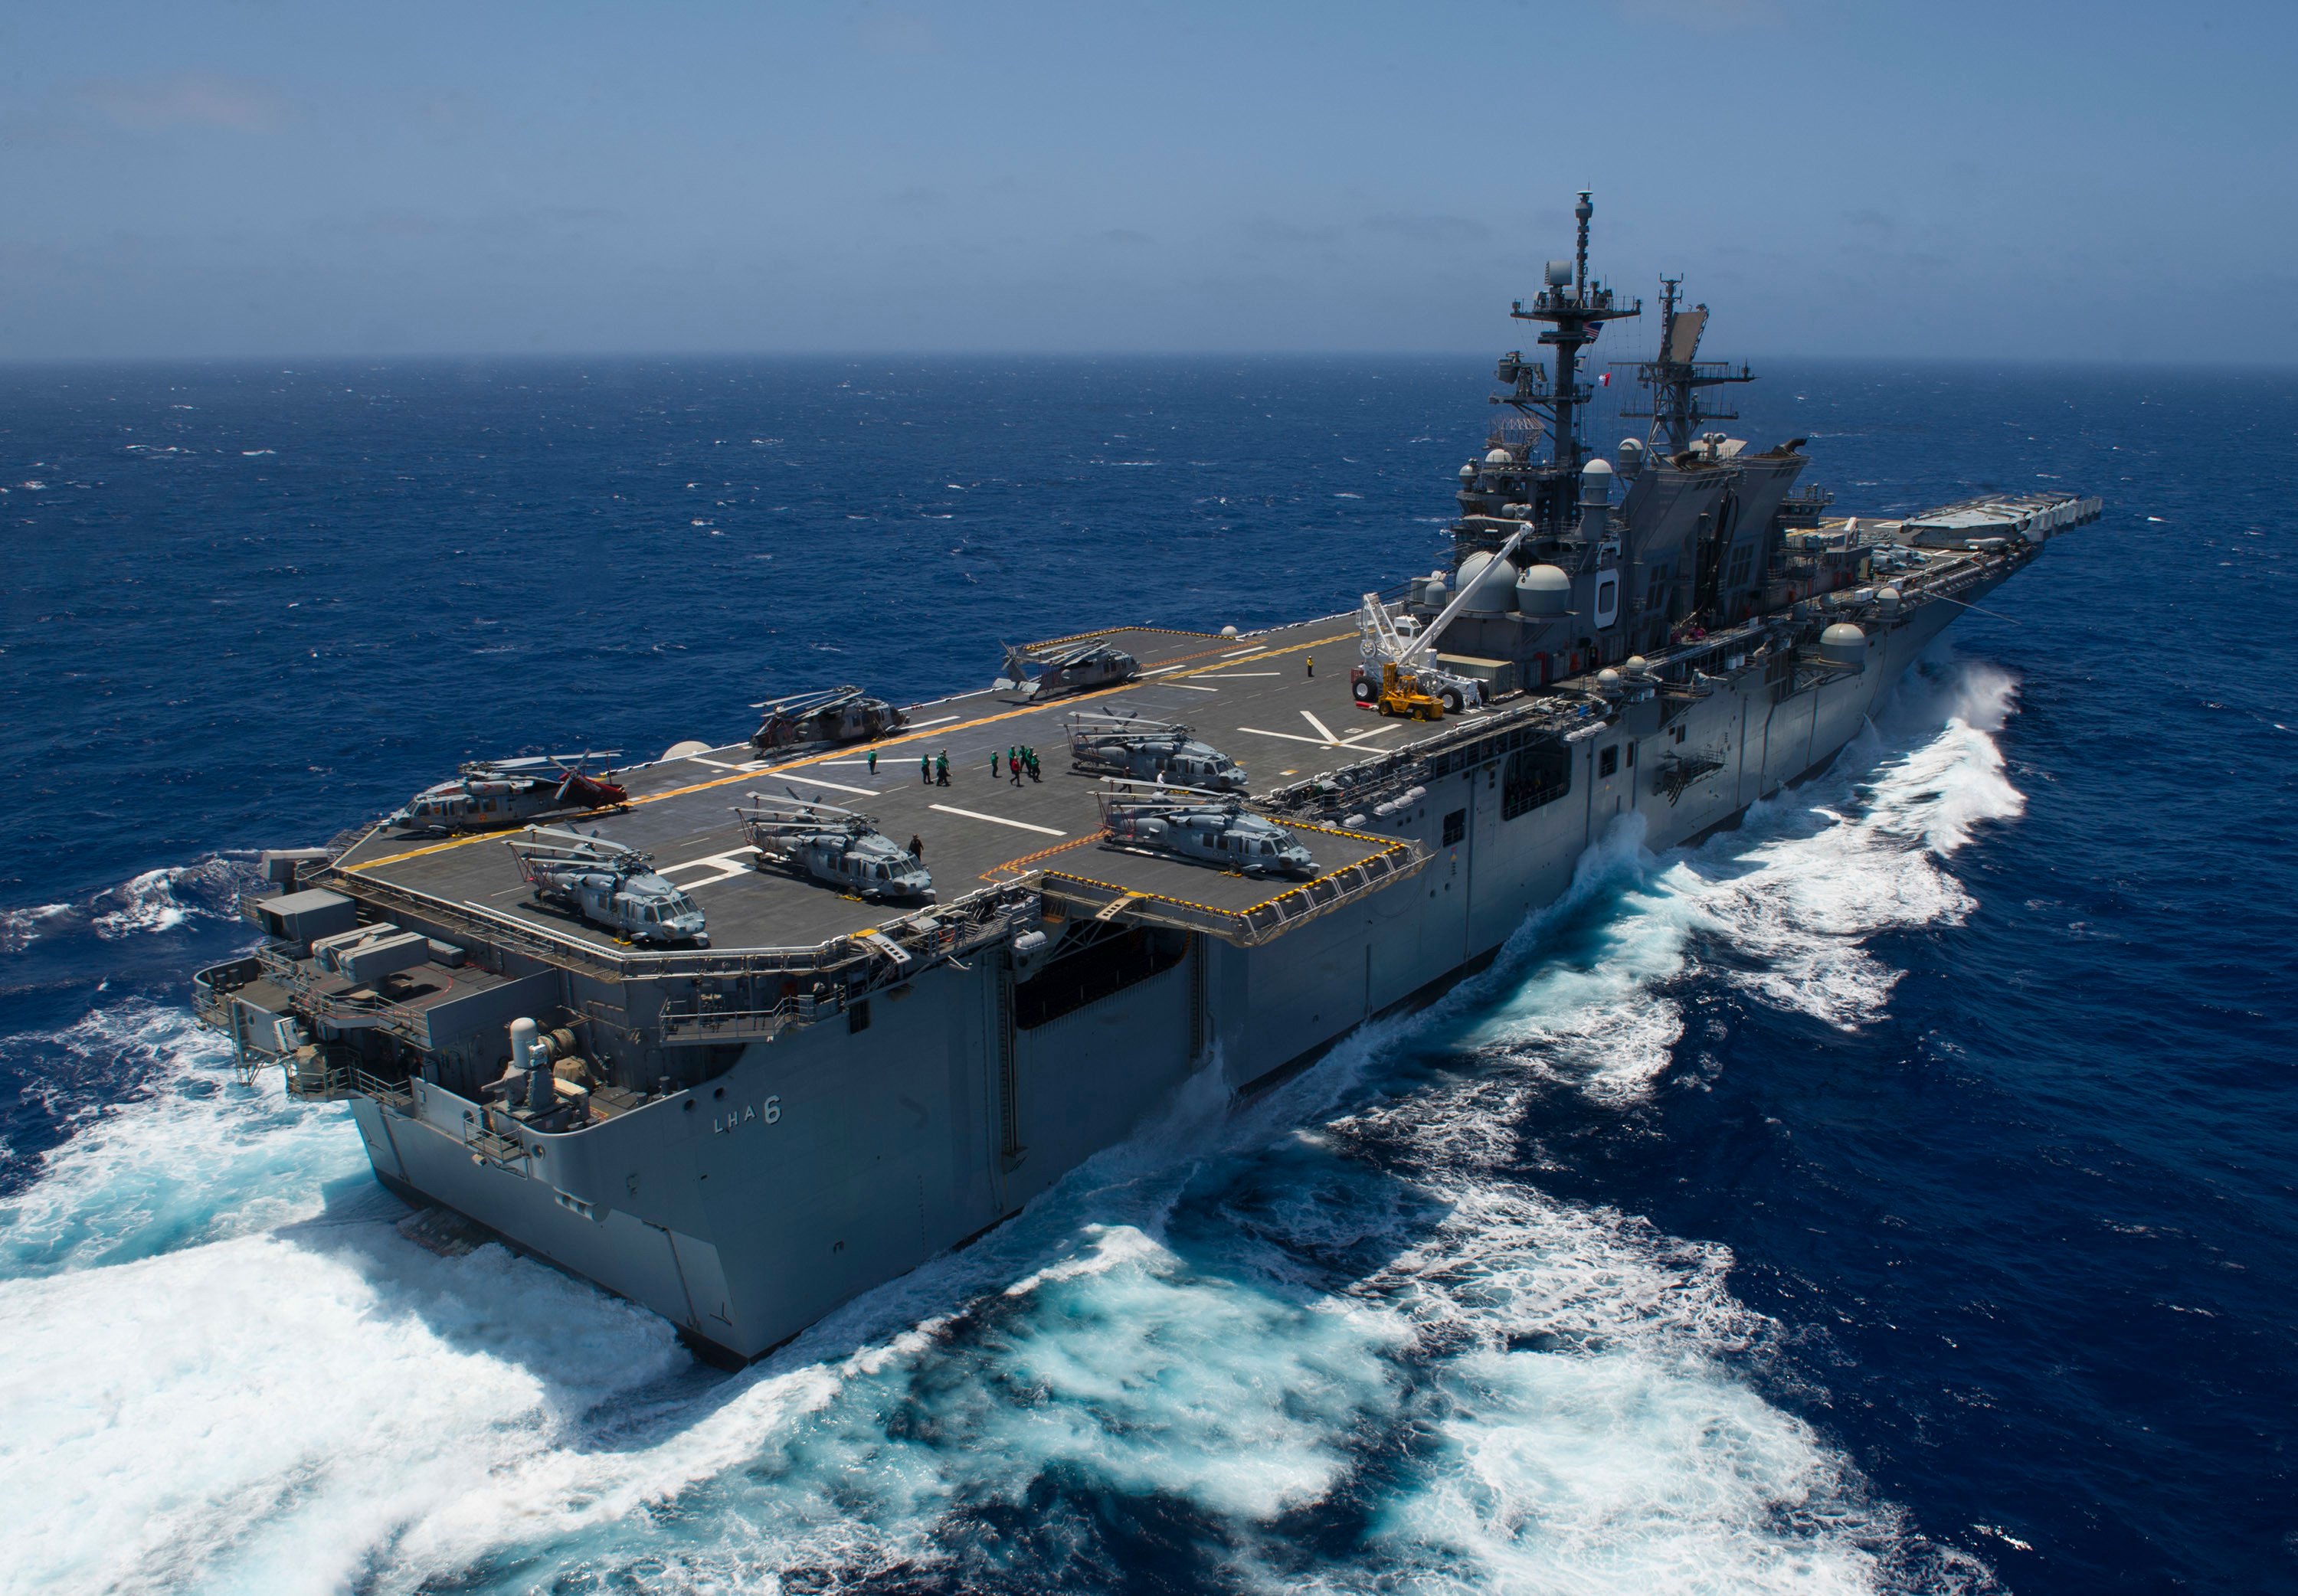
[[13, 363]]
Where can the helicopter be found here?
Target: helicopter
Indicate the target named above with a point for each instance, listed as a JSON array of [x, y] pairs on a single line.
[[1206, 828], [833, 715], [1071, 669], [486, 793], [834, 845], [1111, 745], [610, 884]]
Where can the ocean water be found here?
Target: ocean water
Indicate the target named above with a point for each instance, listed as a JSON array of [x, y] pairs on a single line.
[[1894, 1194]]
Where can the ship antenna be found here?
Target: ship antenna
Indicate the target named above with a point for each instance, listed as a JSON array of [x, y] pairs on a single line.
[[1674, 377], [1583, 211], [1575, 311]]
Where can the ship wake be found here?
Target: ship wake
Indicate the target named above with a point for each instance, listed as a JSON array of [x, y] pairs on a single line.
[[1343, 1339]]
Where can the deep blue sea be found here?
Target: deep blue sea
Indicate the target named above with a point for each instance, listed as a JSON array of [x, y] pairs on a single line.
[[1898, 1193]]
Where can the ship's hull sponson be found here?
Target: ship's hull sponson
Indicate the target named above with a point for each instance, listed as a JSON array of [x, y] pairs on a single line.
[[844, 1153]]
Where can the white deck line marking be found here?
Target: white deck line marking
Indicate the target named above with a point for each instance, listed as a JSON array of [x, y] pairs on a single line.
[[1239, 653], [716, 764], [734, 861], [1192, 686], [799, 778], [1161, 669], [1320, 726], [921, 725], [722, 860], [1322, 742], [1236, 675], [998, 820]]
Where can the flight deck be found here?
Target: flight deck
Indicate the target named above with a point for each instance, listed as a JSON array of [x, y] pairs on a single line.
[[1254, 698]]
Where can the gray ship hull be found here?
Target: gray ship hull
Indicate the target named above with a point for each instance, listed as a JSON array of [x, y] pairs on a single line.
[[836, 1156]]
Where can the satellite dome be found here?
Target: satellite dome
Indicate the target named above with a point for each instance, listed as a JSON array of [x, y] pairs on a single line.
[[1468, 473], [1499, 456], [1637, 664], [1844, 644], [1543, 591], [1489, 584], [1888, 601], [1608, 680], [1228, 631], [1597, 467]]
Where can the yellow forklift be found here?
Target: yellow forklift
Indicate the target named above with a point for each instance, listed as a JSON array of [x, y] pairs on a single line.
[[1401, 693]]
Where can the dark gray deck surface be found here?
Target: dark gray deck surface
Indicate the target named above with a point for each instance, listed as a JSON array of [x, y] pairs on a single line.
[[1250, 697]]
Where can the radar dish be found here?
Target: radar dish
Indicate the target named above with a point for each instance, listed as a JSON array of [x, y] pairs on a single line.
[[1683, 335]]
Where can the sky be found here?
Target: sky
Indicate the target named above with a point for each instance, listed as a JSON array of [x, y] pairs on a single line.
[[2103, 181]]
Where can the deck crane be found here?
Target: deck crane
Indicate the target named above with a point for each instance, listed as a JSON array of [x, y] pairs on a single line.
[[1381, 642]]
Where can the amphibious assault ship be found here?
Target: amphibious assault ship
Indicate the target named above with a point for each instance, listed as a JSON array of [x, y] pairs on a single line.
[[671, 1049]]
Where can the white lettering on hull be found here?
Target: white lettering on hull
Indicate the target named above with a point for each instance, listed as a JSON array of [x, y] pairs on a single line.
[[768, 1112]]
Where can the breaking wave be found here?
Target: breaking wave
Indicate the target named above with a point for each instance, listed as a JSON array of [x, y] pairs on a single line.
[[158, 900], [1339, 1340], [183, 1153], [1781, 909]]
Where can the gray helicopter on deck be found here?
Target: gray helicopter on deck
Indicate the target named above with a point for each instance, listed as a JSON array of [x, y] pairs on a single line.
[[486, 793], [834, 845], [1205, 828], [833, 715], [610, 884], [1071, 667], [1145, 750]]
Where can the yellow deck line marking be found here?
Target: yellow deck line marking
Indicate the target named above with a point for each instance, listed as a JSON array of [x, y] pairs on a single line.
[[1314, 643], [1021, 867]]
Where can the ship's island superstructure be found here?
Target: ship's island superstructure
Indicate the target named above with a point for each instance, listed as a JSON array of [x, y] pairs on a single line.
[[744, 1126]]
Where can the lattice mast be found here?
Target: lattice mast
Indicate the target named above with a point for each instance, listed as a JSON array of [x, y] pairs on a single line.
[[1575, 311], [1674, 380]]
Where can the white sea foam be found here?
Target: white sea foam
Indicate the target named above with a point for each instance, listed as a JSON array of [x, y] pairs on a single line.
[[157, 900], [20, 927], [227, 1369], [1780, 908], [191, 1155]]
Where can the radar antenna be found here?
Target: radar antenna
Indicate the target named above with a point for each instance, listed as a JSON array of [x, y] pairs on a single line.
[[1675, 379], [1575, 311]]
